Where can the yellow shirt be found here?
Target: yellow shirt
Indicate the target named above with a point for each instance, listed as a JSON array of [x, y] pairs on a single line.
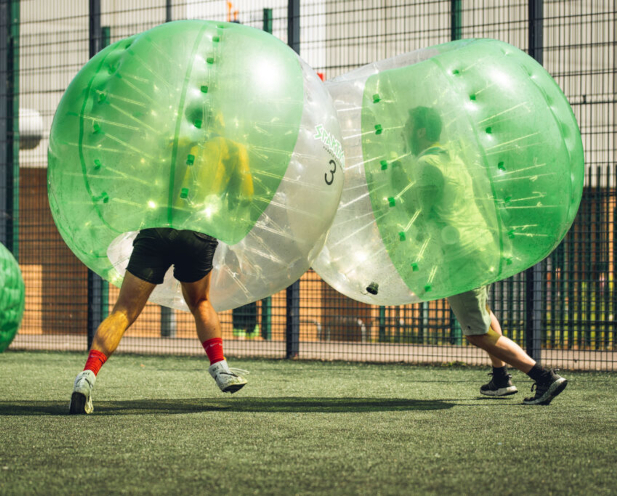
[[443, 198], [220, 170]]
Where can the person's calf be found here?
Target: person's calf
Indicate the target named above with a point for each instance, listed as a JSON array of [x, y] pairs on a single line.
[[504, 349], [484, 341]]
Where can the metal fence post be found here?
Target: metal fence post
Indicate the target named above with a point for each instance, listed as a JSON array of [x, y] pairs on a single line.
[[293, 25], [292, 321], [536, 30], [267, 20], [168, 16], [97, 287], [266, 303], [168, 315], [533, 275], [456, 333], [9, 125], [382, 324], [533, 312], [95, 33], [292, 324], [455, 20], [168, 322]]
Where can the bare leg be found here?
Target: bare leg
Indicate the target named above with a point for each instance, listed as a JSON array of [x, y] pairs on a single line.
[[197, 297], [496, 362], [134, 295], [504, 349], [468, 305]]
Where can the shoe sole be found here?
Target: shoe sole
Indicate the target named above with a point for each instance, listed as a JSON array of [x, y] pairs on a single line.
[[233, 388], [79, 405], [555, 389], [500, 392]]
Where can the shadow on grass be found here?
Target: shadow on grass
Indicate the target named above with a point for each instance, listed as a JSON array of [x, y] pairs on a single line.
[[499, 398], [195, 405]]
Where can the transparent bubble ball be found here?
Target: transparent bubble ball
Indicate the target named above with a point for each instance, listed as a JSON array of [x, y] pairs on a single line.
[[208, 126], [464, 167]]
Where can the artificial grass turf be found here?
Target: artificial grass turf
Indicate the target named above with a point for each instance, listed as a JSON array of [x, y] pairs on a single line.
[[162, 427]]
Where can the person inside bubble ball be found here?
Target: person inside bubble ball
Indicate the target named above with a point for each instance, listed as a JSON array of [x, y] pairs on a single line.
[[443, 193], [222, 165], [221, 168]]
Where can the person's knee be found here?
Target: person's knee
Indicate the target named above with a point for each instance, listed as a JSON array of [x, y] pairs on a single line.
[[476, 339], [126, 314], [195, 301], [192, 304], [484, 340], [196, 293]]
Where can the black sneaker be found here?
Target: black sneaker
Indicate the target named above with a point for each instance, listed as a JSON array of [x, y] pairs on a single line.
[[499, 386], [546, 391]]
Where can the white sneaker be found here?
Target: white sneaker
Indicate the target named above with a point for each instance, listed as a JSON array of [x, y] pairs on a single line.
[[81, 399], [226, 380]]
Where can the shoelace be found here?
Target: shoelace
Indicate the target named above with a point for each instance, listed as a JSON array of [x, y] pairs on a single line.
[[551, 372], [234, 372], [539, 392], [506, 378]]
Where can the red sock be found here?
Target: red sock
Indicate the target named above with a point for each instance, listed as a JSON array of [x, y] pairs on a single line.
[[214, 349], [95, 361]]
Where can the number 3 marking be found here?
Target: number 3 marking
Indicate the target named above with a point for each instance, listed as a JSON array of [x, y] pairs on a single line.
[[333, 164]]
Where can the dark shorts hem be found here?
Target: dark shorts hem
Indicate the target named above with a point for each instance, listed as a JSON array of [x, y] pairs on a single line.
[[156, 250], [471, 311], [196, 276], [151, 278]]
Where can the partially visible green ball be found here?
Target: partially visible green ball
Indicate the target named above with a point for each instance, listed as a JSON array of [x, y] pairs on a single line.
[[12, 298]]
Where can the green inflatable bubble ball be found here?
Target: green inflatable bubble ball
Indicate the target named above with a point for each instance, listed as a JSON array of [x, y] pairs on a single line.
[[207, 126], [12, 298], [468, 168]]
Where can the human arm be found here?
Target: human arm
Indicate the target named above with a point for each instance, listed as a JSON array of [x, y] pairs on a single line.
[[241, 188], [423, 197]]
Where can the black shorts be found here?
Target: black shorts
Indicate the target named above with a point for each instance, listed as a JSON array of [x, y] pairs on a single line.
[[155, 250]]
